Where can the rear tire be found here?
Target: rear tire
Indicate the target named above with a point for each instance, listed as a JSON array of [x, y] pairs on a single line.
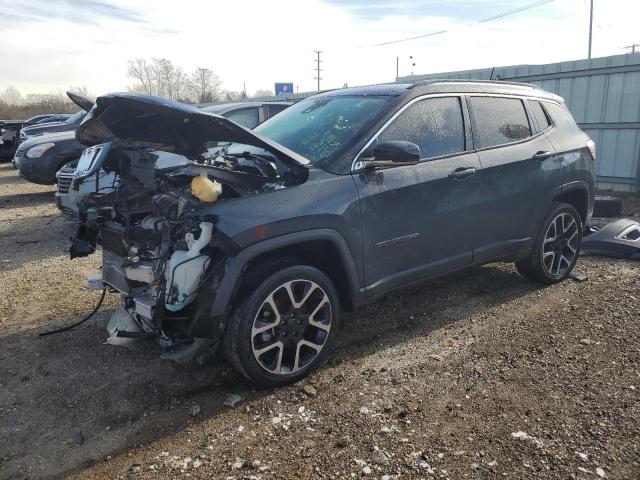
[[556, 248], [607, 206], [285, 327]]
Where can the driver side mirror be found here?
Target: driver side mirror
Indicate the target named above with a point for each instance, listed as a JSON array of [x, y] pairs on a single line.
[[393, 153]]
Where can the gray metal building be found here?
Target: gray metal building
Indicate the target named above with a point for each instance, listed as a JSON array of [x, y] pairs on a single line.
[[602, 93]]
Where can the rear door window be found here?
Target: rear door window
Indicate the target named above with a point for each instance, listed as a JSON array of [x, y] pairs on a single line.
[[539, 113], [436, 125], [500, 120]]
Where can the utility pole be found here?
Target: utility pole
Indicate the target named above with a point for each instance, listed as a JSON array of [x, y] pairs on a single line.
[[318, 69], [590, 28], [633, 47]]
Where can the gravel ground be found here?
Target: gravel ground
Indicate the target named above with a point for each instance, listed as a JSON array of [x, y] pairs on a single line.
[[480, 375]]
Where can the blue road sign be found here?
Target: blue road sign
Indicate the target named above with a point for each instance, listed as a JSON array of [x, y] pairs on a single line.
[[284, 88]]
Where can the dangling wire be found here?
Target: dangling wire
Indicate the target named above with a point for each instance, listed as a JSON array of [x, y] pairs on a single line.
[[74, 325]]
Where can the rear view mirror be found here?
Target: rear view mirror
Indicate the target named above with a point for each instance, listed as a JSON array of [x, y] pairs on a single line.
[[396, 151]]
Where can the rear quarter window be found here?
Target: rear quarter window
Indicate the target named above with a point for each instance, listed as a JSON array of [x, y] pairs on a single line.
[[500, 120], [539, 113], [562, 118]]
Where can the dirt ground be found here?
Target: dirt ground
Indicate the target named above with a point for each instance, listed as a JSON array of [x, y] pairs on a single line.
[[480, 375]]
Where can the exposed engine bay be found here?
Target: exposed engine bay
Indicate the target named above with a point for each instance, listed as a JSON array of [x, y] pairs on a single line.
[[159, 243]]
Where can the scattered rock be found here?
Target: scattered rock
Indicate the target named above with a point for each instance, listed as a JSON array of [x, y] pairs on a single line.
[[366, 470], [379, 457], [232, 400], [342, 442], [195, 409], [135, 468], [525, 436], [238, 464], [582, 456], [310, 390], [600, 472]]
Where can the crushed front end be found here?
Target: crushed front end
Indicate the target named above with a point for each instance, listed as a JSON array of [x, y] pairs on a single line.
[[161, 249]]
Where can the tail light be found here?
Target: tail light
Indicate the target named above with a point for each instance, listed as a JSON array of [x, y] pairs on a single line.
[[591, 145]]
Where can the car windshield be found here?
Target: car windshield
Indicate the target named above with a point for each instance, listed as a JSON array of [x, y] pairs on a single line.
[[75, 118], [319, 128]]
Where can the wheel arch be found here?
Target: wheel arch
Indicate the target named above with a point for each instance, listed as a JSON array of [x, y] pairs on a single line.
[[576, 194], [325, 249]]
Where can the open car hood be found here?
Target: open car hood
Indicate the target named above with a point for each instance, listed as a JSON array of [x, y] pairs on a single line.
[[146, 121], [82, 102]]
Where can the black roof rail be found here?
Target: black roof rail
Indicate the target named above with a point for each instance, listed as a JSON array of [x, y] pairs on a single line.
[[463, 80]]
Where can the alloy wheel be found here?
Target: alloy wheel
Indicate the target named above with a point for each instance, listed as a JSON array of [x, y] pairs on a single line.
[[291, 327], [560, 246]]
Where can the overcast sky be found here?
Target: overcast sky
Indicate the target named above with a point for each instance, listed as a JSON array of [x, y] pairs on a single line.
[[53, 44]]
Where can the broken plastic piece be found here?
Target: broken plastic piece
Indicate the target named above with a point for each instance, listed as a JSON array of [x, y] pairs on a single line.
[[121, 321], [94, 282], [619, 239]]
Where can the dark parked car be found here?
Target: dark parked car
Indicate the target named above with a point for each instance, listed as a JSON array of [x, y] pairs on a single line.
[[47, 118], [67, 125], [10, 130], [340, 199], [39, 158]]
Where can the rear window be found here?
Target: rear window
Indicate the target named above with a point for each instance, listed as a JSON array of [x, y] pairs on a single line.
[[500, 120], [539, 113], [562, 118], [434, 124]]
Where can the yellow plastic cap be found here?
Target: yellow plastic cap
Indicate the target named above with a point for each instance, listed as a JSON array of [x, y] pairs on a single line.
[[204, 189]]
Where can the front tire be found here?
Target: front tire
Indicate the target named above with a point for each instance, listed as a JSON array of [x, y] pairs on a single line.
[[556, 248], [285, 327]]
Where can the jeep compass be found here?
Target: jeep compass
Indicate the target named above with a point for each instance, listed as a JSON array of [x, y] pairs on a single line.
[[340, 199]]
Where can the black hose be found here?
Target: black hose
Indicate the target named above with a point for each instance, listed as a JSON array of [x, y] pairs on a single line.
[[74, 325]]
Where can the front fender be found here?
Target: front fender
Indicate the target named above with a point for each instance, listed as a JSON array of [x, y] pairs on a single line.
[[235, 267]]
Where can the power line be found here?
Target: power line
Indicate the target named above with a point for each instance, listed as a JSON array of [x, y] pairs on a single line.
[[633, 47], [484, 20]]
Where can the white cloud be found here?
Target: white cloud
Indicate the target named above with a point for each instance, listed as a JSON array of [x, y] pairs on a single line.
[[261, 42]]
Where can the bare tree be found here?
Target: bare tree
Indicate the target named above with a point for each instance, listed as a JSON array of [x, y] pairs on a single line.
[[142, 71], [11, 96], [205, 85], [263, 93], [160, 77]]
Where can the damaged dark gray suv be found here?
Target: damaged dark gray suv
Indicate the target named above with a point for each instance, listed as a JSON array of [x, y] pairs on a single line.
[[335, 202]]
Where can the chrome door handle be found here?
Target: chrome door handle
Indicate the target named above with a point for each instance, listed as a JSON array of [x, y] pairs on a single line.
[[462, 173], [541, 156]]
